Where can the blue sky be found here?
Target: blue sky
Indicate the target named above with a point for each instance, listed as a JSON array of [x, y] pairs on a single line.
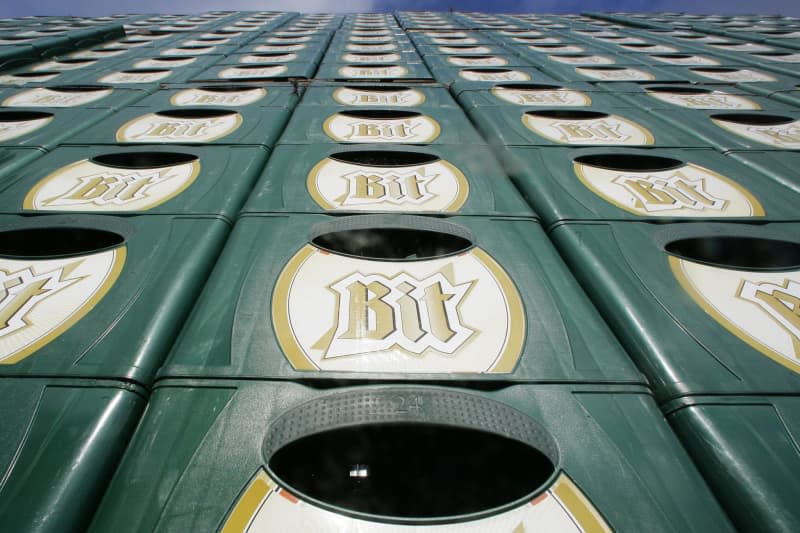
[[16, 8]]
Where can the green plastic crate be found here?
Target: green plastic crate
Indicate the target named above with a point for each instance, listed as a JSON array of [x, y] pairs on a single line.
[[385, 94], [588, 184], [699, 306], [87, 97], [227, 95], [745, 447], [188, 125], [575, 94], [44, 128], [373, 71], [523, 319], [100, 297], [745, 130], [61, 442], [313, 124], [693, 96], [465, 180], [607, 461], [587, 126], [176, 180]]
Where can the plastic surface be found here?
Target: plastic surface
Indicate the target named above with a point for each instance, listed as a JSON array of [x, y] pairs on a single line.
[[617, 464], [510, 309]]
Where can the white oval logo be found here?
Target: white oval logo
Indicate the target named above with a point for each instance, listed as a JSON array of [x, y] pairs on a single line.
[[371, 58], [201, 97], [289, 40], [785, 135], [43, 97], [689, 60], [376, 72], [463, 40], [783, 58], [404, 97], [653, 48], [49, 66], [743, 47], [415, 128], [194, 50], [385, 47], [278, 58], [431, 186], [469, 314], [43, 298], [542, 96], [135, 77], [95, 54], [174, 128], [265, 506], [537, 40], [465, 49], [566, 49], [478, 61], [758, 307], [366, 39], [498, 75], [599, 130], [164, 63], [11, 79], [582, 60], [701, 100], [260, 72], [89, 186], [740, 75], [687, 191], [616, 74], [16, 124], [279, 48]]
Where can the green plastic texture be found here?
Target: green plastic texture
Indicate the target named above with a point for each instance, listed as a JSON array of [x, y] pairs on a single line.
[[738, 130], [545, 95], [373, 72], [746, 76], [585, 184], [346, 57], [440, 179], [255, 72], [313, 124], [487, 76], [697, 323], [15, 158], [87, 97], [585, 126], [469, 60], [542, 328], [670, 97], [37, 128], [619, 70], [379, 94], [157, 180], [746, 448], [215, 125], [226, 95], [289, 52], [60, 444], [92, 306], [611, 442]]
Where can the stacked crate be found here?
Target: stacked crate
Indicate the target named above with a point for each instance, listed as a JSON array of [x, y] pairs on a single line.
[[386, 282], [416, 271], [107, 238], [705, 302]]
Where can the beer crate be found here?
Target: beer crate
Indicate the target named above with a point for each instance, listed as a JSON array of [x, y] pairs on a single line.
[[557, 457]]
